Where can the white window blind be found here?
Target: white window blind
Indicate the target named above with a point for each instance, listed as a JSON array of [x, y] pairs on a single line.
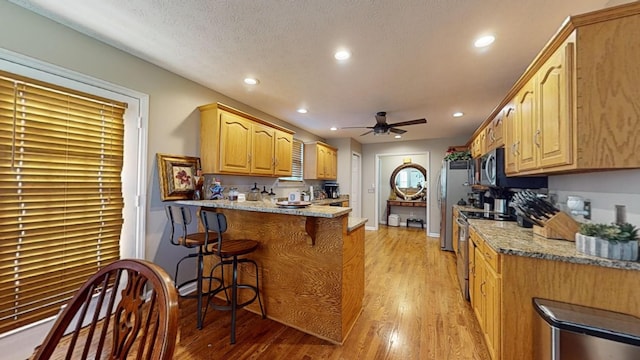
[[297, 162], [61, 202]]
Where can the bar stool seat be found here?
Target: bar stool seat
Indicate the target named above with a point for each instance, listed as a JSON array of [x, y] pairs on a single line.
[[229, 251], [180, 217]]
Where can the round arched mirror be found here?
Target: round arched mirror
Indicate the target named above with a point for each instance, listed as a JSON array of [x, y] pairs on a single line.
[[409, 181]]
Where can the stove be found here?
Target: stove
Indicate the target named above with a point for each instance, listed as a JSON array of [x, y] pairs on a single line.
[[486, 215]]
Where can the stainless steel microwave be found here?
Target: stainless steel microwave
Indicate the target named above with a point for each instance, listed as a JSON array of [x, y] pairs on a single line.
[[488, 170]]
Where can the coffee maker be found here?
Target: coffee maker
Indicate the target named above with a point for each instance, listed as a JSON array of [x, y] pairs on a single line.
[[332, 189]]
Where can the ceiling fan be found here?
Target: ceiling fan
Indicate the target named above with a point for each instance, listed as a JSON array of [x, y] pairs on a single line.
[[381, 127]]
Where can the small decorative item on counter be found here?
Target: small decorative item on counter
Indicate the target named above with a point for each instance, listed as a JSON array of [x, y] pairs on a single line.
[[294, 196], [254, 193], [233, 194], [198, 185], [611, 241], [272, 196], [216, 191]]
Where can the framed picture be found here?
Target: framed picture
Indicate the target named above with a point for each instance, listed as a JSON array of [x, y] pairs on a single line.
[[177, 176]]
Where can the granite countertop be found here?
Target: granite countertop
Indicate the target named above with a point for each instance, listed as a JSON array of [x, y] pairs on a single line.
[[267, 207], [355, 223], [329, 201], [506, 237]]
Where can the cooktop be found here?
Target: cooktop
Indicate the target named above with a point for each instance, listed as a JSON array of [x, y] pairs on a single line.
[[488, 215]]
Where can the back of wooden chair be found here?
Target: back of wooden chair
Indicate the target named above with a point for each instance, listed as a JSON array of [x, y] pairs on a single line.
[[127, 309]]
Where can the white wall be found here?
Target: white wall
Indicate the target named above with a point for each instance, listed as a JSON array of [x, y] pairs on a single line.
[[388, 163], [435, 147], [604, 189]]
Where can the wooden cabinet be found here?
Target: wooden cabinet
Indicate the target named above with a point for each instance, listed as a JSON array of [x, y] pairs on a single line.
[[455, 230], [575, 105], [494, 133], [320, 161], [478, 145], [510, 128], [544, 138], [233, 142], [485, 288]]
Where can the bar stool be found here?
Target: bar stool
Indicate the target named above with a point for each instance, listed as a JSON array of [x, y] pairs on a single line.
[[179, 216], [229, 251]]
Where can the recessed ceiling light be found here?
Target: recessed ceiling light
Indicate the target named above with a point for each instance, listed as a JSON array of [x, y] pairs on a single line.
[[251, 81], [302, 111], [342, 55], [398, 136], [458, 114], [333, 128], [484, 41]]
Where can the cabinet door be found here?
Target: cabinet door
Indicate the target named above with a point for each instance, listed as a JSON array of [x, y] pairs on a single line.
[[479, 287], [498, 130], [332, 164], [321, 156], [262, 150], [235, 143], [510, 126], [554, 109], [528, 126], [492, 312], [284, 153]]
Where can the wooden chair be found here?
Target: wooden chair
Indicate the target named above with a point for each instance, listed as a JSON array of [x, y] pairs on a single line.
[[127, 309]]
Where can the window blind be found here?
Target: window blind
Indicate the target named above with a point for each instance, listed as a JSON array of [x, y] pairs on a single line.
[[61, 156], [297, 152]]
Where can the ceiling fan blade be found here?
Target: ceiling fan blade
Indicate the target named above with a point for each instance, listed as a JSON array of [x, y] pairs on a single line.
[[397, 131], [368, 132], [381, 118], [357, 127], [410, 122]]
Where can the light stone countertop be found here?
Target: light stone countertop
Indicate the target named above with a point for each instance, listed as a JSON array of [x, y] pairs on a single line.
[[355, 223], [267, 207], [506, 237]]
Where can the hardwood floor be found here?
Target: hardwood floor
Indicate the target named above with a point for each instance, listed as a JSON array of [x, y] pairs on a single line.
[[412, 310]]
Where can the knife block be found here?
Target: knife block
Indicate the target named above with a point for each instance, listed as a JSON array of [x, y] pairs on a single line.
[[560, 226]]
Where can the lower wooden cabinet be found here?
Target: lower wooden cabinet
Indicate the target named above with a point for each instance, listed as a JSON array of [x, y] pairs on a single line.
[[485, 288]]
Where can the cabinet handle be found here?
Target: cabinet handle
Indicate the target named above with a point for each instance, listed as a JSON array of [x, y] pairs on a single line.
[[536, 138], [249, 158], [515, 147], [482, 289]]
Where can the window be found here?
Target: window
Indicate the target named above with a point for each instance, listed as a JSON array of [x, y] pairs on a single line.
[[61, 158], [297, 162]]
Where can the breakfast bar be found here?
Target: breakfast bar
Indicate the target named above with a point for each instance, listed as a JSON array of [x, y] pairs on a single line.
[[311, 262]]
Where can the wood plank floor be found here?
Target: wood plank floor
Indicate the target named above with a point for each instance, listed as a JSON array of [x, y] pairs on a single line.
[[412, 310]]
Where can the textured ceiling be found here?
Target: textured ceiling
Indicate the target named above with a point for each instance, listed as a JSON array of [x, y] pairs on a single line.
[[410, 58]]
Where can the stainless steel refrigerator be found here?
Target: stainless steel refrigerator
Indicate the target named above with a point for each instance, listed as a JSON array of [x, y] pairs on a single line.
[[453, 185]]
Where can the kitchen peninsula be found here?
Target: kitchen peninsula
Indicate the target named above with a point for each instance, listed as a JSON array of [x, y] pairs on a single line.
[[311, 262]]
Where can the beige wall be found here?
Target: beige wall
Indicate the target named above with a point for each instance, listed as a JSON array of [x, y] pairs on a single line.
[[173, 100]]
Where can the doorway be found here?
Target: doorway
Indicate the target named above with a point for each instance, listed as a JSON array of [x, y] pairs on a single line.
[[384, 166]]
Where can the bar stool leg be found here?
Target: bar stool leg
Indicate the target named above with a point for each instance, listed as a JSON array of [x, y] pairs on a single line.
[[234, 299], [199, 288]]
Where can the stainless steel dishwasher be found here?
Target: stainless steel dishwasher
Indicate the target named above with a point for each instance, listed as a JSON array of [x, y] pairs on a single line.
[[573, 332]]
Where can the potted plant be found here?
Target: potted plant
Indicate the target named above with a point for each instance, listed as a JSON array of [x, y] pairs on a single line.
[[458, 155], [612, 241]]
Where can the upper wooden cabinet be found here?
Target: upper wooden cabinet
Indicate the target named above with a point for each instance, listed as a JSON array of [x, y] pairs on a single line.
[[494, 133], [233, 142], [576, 104], [320, 161]]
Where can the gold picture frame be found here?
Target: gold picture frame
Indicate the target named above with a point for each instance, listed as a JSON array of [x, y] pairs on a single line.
[[177, 176]]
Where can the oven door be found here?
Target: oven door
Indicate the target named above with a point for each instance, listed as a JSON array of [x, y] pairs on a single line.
[[462, 257]]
